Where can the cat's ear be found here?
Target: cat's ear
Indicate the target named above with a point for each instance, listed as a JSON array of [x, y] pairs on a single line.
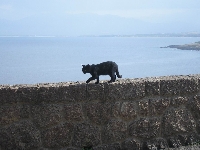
[[82, 65]]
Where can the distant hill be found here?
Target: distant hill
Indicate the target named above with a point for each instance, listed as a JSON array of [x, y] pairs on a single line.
[[92, 24], [192, 46]]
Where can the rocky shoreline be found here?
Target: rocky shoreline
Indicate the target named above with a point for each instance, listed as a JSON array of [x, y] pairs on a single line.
[[192, 46]]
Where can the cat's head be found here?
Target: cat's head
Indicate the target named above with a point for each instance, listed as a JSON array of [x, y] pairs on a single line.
[[86, 68]]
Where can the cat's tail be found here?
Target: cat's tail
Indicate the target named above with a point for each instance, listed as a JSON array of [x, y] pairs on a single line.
[[117, 73]]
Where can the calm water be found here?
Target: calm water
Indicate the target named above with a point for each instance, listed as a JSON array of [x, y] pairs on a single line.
[[30, 60]]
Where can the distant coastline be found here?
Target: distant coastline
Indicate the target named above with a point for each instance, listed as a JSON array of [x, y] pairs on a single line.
[[192, 46], [115, 35], [148, 35]]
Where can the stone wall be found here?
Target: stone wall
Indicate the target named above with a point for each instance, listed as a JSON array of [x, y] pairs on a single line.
[[130, 114]]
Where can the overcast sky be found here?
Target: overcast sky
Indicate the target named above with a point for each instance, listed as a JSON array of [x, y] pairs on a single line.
[[146, 11]]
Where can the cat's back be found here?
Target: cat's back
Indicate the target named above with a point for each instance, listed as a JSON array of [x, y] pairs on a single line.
[[107, 63], [106, 67]]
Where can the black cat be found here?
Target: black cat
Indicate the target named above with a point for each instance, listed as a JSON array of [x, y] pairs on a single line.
[[104, 68]]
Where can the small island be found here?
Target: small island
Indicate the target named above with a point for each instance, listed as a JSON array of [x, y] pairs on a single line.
[[192, 46]]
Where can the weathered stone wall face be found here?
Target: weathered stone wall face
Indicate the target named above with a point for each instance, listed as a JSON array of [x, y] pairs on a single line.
[[130, 114]]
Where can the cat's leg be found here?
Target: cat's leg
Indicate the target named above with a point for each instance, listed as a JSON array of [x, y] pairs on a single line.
[[97, 80], [96, 76], [90, 79], [110, 79], [113, 77]]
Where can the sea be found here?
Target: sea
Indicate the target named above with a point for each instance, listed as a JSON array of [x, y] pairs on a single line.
[[33, 60]]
